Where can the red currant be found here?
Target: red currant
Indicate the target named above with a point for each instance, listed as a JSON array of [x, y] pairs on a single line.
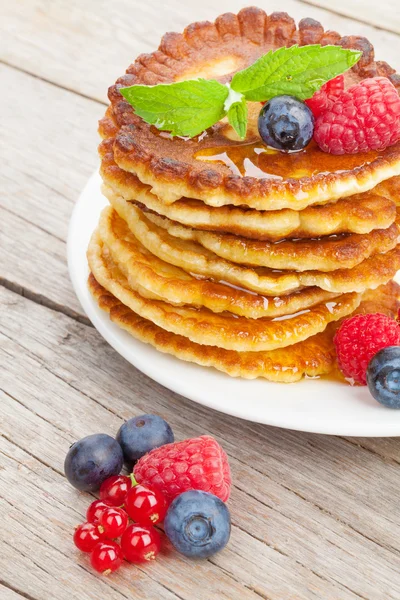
[[106, 557], [114, 489], [140, 543], [86, 536], [145, 506], [113, 521], [95, 510]]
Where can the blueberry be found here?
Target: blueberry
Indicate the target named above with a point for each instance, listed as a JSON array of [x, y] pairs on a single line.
[[198, 524], [286, 123], [141, 434], [92, 460], [383, 376]]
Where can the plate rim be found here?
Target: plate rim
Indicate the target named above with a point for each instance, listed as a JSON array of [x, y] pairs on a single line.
[[115, 336]]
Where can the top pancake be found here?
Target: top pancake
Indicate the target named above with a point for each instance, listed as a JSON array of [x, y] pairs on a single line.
[[216, 167]]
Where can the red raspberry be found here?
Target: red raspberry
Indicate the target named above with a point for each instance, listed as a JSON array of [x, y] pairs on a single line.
[[196, 464], [359, 338], [324, 98], [365, 117]]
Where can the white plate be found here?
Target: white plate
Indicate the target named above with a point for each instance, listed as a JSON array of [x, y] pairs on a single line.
[[314, 405]]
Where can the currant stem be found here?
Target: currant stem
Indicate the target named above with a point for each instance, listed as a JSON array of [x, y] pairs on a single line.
[[133, 479]]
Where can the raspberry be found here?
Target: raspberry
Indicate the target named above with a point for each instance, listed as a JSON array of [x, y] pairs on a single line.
[[365, 117], [359, 338], [324, 98], [195, 464]]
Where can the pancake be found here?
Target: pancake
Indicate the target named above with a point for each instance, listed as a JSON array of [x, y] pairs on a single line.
[[216, 167], [322, 254], [194, 258], [224, 330], [313, 357], [154, 278], [357, 214]]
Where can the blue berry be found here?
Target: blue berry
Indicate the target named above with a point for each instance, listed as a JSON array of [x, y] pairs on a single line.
[[286, 123], [198, 524], [141, 434], [383, 376], [92, 460]]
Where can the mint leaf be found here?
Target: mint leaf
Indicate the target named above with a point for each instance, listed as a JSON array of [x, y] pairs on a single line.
[[237, 117], [297, 71], [184, 108]]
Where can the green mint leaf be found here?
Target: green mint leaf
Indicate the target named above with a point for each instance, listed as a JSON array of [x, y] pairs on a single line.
[[237, 117], [184, 108], [297, 71]]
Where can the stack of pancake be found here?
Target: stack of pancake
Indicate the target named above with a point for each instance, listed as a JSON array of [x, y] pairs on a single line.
[[224, 252]]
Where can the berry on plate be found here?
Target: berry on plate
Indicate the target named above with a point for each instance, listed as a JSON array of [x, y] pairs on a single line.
[[325, 97], [145, 506], [140, 543], [113, 522], [95, 510], [364, 117], [114, 489], [198, 524], [194, 464], [91, 460], [383, 376], [359, 338], [142, 434], [86, 536], [106, 557], [286, 123]]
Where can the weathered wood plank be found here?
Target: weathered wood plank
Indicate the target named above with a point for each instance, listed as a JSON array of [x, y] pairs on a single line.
[[300, 534], [385, 15], [42, 174], [7, 593], [85, 46]]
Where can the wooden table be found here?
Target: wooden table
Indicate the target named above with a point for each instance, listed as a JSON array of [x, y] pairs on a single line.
[[314, 517]]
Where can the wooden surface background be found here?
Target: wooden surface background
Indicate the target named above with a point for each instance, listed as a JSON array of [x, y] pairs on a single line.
[[314, 517]]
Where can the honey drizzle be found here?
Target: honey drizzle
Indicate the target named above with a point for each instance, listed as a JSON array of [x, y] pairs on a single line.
[[256, 160]]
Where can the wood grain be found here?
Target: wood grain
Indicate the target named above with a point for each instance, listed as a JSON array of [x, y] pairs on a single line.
[[314, 517], [366, 11]]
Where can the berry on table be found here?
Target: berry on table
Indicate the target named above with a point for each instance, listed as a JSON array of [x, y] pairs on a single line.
[[198, 463], [114, 489], [142, 434], [140, 543], [359, 338], [106, 557], [113, 522], [86, 536], [286, 123], [383, 376], [145, 506], [198, 524], [364, 117], [326, 96], [95, 510], [91, 460]]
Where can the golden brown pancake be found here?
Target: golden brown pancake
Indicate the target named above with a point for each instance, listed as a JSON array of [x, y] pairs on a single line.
[[360, 213], [321, 254], [217, 168], [194, 258], [315, 356], [154, 278], [224, 330]]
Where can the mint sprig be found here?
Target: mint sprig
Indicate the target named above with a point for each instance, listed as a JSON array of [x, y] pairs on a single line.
[[189, 107], [185, 108], [237, 117], [296, 71]]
